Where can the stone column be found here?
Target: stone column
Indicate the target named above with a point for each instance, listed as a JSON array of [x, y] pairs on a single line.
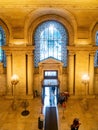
[[91, 74], [9, 73], [30, 73], [33, 73], [71, 73]]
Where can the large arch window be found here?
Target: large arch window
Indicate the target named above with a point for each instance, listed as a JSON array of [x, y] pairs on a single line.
[[50, 40], [2, 42]]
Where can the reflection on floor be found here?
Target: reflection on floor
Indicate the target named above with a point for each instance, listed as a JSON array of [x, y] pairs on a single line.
[[50, 108], [51, 119]]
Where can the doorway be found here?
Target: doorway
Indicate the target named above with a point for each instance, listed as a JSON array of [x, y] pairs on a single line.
[[50, 98], [50, 88]]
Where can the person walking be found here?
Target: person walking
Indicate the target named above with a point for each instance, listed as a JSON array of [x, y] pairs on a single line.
[[76, 124]]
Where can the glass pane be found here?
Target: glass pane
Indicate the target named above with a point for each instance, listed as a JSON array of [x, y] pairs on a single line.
[[97, 38], [0, 55], [2, 42], [96, 55], [50, 41], [50, 73]]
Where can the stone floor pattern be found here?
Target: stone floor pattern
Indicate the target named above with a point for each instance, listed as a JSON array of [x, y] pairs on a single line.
[[85, 109]]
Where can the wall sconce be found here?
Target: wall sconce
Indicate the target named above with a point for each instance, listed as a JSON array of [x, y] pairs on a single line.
[[14, 81], [85, 81]]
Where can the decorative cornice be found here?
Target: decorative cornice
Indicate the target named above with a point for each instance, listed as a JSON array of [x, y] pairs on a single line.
[[50, 61], [82, 48], [18, 48]]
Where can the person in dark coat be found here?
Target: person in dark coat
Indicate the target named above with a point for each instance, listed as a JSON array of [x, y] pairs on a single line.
[[76, 124]]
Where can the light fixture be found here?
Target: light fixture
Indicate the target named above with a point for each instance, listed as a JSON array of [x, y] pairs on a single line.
[[14, 81], [85, 78], [85, 81]]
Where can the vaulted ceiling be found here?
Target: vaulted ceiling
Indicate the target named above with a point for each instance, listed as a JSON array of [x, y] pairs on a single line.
[[15, 12]]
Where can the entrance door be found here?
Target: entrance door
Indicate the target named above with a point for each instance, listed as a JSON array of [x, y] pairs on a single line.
[[50, 88], [50, 98]]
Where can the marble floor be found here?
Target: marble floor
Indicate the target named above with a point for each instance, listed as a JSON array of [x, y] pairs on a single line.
[[84, 109]]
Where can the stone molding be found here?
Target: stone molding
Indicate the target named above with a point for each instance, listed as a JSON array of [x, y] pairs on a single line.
[[82, 48], [18, 48], [50, 64]]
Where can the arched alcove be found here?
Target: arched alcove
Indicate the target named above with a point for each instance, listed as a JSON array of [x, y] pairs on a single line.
[[38, 16], [7, 28], [93, 30]]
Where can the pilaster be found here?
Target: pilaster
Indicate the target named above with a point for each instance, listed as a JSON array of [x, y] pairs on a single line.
[[9, 73], [91, 74], [71, 73], [30, 73]]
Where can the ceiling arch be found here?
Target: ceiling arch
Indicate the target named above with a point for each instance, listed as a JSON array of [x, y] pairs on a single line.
[[40, 15]]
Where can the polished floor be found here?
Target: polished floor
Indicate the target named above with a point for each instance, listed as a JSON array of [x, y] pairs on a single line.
[[50, 109], [51, 121], [84, 109]]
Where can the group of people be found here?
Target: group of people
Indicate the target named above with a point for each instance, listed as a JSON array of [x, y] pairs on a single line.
[[62, 100], [63, 97]]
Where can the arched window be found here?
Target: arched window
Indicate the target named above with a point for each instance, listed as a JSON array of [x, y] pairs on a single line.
[[50, 40], [96, 56], [2, 42]]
